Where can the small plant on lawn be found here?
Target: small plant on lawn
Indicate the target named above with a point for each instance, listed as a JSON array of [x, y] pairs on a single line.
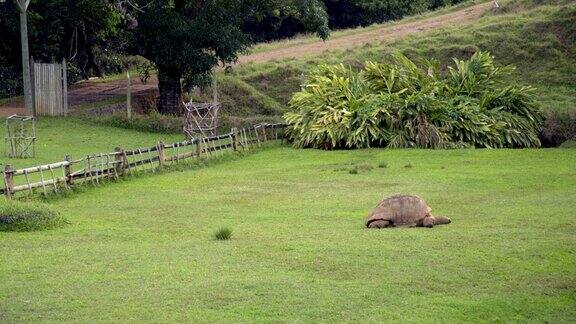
[[383, 165], [409, 165], [223, 234], [354, 170], [17, 216]]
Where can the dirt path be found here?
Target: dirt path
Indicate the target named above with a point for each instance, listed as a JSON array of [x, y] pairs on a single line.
[[90, 91]]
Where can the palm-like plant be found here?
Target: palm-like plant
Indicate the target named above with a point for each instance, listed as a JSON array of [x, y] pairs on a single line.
[[404, 104]]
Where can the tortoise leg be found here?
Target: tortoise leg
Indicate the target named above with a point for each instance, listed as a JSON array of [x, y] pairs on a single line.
[[379, 224], [429, 222]]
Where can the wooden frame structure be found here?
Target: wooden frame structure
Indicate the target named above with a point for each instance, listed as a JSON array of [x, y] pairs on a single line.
[[201, 118], [20, 137]]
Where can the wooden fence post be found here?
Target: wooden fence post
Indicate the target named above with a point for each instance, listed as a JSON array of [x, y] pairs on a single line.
[[161, 155], [67, 170], [120, 161], [198, 147], [128, 96], [264, 132], [257, 136], [8, 180], [235, 139]]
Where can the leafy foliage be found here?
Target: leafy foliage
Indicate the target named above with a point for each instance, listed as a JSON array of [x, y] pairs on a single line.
[[406, 104], [186, 38]]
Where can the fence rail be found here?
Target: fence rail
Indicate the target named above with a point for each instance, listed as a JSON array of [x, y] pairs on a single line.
[[97, 168]]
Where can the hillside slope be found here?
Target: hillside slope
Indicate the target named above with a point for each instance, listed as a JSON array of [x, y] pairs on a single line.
[[538, 37], [360, 36]]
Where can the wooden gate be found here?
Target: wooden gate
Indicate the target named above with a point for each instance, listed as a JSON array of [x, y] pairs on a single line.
[[50, 89]]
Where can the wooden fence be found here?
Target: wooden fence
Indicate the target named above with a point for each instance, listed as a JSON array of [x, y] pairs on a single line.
[[50, 89], [98, 168]]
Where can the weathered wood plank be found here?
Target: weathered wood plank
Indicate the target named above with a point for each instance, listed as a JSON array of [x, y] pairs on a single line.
[[42, 168]]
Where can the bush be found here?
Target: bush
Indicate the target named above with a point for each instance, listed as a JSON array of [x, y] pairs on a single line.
[[10, 81], [145, 70], [569, 144], [154, 123], [403, 104], [16, 216], [558, 128], [223, 234]]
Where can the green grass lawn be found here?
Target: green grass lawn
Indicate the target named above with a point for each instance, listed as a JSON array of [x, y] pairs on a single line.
[[57, 137], [142, 250]]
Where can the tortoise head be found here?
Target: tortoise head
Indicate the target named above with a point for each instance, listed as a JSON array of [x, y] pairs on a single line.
[[439, 220]]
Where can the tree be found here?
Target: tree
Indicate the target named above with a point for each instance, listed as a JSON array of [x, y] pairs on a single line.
[[60, 29], [187, 38]]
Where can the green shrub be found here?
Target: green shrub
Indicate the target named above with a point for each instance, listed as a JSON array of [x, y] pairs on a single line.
[[560, 126], [223, 233], [16, 216], [403, 104], [568, 144], [145, 70], [154, 122]]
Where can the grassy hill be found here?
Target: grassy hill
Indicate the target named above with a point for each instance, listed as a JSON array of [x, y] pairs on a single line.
[[538, 37]]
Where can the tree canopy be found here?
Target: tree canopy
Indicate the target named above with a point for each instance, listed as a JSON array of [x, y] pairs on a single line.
[[187, 38], [184, 38], [59, 29]]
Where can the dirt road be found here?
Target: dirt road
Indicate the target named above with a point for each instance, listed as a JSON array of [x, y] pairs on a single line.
[[96, 91]]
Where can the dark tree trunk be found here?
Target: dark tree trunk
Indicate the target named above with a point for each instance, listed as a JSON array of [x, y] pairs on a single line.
[[170, 93]]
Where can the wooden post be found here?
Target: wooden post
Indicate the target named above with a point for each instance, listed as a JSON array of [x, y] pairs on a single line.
[[33, 85], [119, 157], [23, 6], [8, 180], [264, 132], [64, 88], [128, 96], [161, 155], [67, 170], [198, 147], [235, 139], [257, 136]]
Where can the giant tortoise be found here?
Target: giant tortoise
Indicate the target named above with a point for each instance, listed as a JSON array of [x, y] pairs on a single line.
[[404, 210]]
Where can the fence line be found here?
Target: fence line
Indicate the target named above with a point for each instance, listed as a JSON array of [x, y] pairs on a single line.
[[100, 167]]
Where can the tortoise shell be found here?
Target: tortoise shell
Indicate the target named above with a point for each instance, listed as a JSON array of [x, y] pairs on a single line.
[[400, 210]]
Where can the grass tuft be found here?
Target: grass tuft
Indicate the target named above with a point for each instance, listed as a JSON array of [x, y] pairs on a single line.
[[17, 216], [223, 234]]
